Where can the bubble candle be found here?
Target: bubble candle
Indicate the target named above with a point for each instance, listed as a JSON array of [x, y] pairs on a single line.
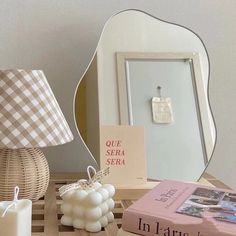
[[88, 204]]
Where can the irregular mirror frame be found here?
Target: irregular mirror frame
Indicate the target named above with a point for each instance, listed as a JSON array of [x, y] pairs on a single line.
[[97, 94]]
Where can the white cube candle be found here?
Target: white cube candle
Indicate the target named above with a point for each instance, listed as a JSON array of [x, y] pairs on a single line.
[[91, 209], [88, 204], [17, 219]]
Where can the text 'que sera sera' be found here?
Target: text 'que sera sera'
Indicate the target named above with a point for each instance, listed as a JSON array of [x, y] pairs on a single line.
[[114, 152]]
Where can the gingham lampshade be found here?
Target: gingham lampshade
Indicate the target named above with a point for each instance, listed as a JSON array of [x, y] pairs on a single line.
[[29, 113]]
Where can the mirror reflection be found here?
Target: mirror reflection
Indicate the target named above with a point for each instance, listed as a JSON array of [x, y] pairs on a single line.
[[152, 73]]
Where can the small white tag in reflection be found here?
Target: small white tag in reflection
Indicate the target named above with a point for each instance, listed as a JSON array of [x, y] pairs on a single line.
[[162, 110]]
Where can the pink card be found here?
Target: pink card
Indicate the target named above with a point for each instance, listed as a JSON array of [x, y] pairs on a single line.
[[122, 149]]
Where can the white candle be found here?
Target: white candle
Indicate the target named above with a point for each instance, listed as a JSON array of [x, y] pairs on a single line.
[[15, 217], [88, 208]]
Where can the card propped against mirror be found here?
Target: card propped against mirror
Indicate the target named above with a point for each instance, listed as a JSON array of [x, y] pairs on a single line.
[[122, 149]]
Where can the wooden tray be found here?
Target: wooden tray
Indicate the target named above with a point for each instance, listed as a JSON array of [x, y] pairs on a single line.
[[46, 212]]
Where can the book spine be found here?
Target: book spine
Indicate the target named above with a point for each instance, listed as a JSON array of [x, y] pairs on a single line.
[[142, 224]]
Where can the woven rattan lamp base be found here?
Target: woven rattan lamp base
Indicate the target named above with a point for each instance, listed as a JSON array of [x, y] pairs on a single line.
[[26, 168]]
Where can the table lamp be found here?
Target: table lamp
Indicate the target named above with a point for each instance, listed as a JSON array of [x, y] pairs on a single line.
[[30, 118]]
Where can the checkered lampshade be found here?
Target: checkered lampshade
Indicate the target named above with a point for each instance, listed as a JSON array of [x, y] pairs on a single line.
[[29, 113]]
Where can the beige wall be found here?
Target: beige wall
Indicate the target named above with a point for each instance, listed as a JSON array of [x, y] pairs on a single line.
[[60, 37]]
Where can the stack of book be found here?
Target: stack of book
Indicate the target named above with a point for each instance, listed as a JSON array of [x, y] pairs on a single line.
[[182, 209]]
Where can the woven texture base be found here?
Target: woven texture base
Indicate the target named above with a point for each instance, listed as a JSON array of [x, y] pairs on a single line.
[[26, 168]]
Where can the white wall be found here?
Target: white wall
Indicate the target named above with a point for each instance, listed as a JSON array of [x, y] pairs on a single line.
[[60, 37], [173, 151]]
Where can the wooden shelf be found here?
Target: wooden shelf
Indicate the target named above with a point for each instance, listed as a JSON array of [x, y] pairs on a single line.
[[46, 212]]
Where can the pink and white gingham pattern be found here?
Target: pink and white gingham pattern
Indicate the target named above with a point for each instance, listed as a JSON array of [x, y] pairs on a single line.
[[29, 113]]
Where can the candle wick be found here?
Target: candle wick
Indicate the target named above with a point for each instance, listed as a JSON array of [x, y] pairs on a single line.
[[16, 193], [14, 202]]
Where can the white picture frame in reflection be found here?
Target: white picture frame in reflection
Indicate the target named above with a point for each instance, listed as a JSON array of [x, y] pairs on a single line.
[[189, 140]]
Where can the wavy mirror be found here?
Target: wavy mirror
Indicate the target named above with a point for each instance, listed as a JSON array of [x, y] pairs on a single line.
[[149, 72]]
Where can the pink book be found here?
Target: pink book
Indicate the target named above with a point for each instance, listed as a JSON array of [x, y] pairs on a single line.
[[182, 209]]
